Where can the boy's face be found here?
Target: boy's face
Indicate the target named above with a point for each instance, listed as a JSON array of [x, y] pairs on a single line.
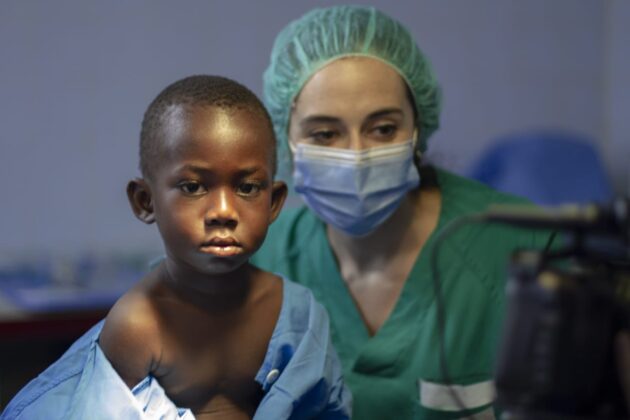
[[212, 193]]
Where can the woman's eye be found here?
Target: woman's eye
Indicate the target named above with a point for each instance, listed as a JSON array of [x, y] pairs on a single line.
[[249, 189], [191, 188], [385, 130], [322, 136]]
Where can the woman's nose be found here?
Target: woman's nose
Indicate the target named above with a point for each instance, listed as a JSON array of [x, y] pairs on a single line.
[[356, 142], [221, 210]]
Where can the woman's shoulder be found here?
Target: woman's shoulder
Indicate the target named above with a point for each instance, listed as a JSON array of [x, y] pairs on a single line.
[[486, 247], [463, 195]]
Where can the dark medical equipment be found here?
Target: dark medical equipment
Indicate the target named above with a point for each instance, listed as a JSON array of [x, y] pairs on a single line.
[[565, 307]]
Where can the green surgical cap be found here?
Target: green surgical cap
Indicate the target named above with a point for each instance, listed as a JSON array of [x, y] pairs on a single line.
[[323, 35]]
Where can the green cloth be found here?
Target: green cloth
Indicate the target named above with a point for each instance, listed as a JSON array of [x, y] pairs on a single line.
[[383, 371]]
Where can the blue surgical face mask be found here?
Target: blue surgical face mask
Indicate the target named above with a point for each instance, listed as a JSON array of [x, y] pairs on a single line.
[[354, 191]]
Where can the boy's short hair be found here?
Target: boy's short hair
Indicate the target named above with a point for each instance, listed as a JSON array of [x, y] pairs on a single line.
[[198, 90]]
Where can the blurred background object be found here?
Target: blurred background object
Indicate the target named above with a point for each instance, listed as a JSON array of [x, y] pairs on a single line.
[[47, 301], [548, 167], [57, 283]]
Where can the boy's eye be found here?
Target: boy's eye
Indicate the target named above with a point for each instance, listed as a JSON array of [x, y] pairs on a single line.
[[249, 189], [191, 188]]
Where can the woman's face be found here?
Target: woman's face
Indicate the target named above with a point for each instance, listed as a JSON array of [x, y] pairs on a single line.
[[352, 103]]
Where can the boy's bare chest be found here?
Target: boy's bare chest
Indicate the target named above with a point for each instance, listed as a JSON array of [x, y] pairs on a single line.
[[209, 364]]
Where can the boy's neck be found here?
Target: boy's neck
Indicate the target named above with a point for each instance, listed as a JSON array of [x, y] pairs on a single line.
[[216, 293]]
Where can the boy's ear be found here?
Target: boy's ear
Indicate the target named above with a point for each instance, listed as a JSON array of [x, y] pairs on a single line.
[[140, 199], [278, 195]]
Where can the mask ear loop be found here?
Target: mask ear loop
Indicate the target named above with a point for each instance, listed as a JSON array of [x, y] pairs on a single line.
[[292, 147], [417, 154]]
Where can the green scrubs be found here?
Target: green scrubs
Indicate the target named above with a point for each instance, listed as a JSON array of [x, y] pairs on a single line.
[[395, 374]]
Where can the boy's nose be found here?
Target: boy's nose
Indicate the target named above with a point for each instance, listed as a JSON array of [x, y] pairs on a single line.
[[221, 211]]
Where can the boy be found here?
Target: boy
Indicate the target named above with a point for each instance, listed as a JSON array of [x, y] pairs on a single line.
[[205, 333]]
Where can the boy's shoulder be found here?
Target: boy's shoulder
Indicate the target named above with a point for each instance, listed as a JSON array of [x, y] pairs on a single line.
[[134, 312], [131, 335], [303, 322], [292, 303]]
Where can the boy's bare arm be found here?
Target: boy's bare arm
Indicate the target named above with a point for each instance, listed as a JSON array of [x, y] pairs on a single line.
[[129, 338]]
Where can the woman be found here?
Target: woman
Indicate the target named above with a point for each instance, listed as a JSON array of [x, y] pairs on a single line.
[[354, 100]]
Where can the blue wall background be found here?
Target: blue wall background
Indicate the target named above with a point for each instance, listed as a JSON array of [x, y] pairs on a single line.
[[76, 76]]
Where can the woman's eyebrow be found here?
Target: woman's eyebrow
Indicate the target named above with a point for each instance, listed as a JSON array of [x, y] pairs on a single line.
[[384, 112], [314, 119]]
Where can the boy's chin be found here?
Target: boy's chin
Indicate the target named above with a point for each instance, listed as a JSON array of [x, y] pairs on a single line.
[[221, 265], [204, 263]]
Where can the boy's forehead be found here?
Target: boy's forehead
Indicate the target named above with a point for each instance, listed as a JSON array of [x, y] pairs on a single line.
[[184, 124], [174, 121], [180, 117]]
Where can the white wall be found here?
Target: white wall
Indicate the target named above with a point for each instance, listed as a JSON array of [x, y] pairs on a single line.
[[76, 76]]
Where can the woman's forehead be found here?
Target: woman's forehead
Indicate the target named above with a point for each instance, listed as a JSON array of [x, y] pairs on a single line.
[[352, 85]]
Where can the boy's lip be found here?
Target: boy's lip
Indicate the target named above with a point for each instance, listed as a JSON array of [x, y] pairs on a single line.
[[222, 246]]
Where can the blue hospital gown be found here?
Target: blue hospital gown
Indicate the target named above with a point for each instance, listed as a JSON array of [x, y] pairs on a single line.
[[301, 377]]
